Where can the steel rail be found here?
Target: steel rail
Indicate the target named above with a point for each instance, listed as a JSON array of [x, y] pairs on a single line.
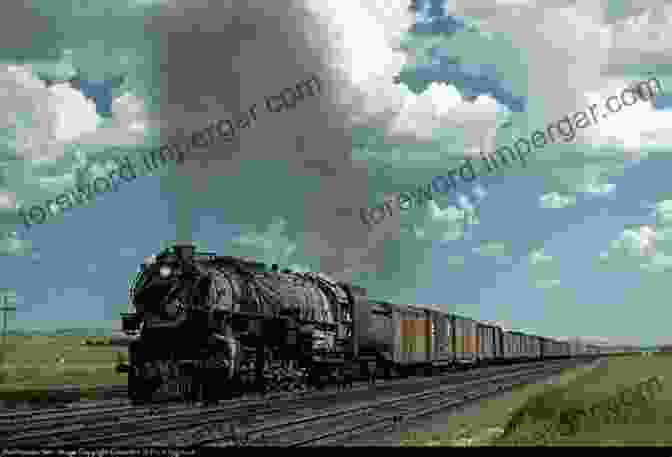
[[105, 424], [98, 409], [292, 433], [42, 428], [286, 426], [404, 411]]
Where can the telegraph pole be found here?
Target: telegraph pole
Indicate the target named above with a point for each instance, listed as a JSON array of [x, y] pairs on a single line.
[[5, 309]]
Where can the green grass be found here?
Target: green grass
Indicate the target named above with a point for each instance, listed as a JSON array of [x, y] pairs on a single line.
[[481, 425], [32, 364], [539, 420], [531, 415]]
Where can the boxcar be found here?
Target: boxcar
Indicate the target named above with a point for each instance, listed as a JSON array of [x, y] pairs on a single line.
[[413, 335], [508, 346], [535, 347], [547, 348], [516, 345], [444, 338], [576, 348], [522, 345], [555, 349], [592, 350], [466, 339], [395, 336], [499, 342], [521, 338], [537, 343], [487, 345]]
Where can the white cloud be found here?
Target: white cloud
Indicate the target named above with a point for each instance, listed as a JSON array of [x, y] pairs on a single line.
[[30, 109], [547, 283], [633, 126], [441, 224], [44, 122], [556, 200], [543, 270], [441, 107], [129, 125], [7, 200], [630, 242], [645, 247], [56, 183], [643, 38], [299, 268], [455, 260], [499, 250], [570, 41], [658, 263], [538, 257], [75, 113], [569, 64], [12, 245], [128, 108]]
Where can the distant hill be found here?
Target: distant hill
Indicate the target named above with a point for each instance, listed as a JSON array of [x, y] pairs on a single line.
[[62, 332]]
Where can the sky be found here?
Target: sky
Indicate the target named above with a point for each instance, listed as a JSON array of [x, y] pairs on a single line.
[[575, 244]]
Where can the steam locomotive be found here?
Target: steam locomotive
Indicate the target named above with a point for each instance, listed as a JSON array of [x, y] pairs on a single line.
[[206, 327]]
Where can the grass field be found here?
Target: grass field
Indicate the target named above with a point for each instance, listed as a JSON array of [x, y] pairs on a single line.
[[34, 363], [530, 416]]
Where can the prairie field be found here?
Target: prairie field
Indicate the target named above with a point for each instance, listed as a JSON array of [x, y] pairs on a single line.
[[31, 364], [531, 415]]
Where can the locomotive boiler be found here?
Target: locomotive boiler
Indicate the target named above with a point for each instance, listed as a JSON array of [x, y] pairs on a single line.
[[204, 326]]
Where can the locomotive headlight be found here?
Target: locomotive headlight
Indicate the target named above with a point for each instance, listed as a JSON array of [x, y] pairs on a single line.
[[165, 272]]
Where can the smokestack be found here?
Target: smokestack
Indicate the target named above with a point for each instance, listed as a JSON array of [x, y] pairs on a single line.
[[184, 251]]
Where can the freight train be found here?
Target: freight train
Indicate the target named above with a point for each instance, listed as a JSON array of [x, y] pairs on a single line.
[[205, 327]]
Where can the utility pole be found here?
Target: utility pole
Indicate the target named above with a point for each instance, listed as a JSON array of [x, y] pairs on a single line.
[[5, 309]]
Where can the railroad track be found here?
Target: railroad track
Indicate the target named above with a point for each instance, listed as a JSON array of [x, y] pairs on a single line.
[[104, 389], [340, 425], [17, 421], [122, 424]]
